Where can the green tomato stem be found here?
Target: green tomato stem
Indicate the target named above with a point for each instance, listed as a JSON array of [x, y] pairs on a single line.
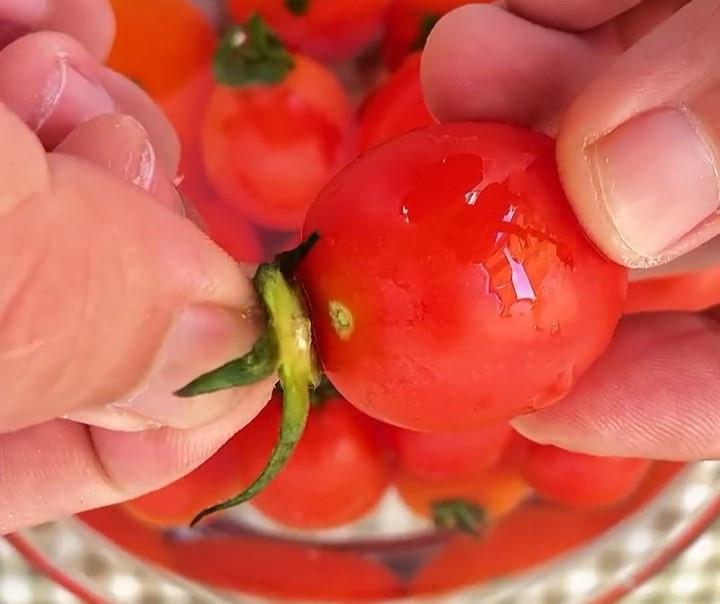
[[291, 329], [297, 7], [458, 515]]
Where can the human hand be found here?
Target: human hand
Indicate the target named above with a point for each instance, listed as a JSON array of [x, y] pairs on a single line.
[[632, 90], [110, 298]]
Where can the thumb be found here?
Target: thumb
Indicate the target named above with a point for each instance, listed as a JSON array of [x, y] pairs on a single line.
[[639, 149], [107, 296]]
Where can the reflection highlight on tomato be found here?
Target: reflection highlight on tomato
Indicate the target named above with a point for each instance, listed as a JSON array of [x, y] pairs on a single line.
[[275, 129], [336, 475], [325, 29], [396, 107], [451, 285], [462, 456], [574, 479]]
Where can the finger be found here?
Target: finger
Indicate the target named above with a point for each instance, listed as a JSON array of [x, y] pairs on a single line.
[[509, 69], [120, 144], [91, 22], [638, 150], [108, 297], [133, 100], [653, 394], [61, 468], [573, 15]]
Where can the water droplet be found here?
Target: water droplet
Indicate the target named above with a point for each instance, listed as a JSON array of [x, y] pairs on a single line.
[[405, 213]]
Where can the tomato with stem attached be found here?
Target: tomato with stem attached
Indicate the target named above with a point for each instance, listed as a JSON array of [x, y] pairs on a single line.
[[496, 493], [408, 24], [336, 475], [396, 107], [448, 285], [276, 128], [575, 479], [451, 285], [438, 456], [325, 29]]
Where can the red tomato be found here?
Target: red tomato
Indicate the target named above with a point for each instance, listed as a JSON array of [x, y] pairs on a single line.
[[178, 503], [230, 230], [269, 149], [326, 29], [498, 492], [397, 107], [687, 292], [408, 24], [574, 479], [336, 475], [450, 456], [160, 44], [452, 285]]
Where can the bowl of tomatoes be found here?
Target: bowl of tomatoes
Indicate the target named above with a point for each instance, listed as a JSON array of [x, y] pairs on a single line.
[[421, 285]]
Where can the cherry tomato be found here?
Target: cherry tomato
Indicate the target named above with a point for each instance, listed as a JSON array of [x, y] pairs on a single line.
[[178, 503], [452, 285], [336, 475], [453, 456], [269, 149], [397, 107], [230, 230], [326, 29], [497, 492], [686, 292], [160, 44], [574, 479], [408, 24]]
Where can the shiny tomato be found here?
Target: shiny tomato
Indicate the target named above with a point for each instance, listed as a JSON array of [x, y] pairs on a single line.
[[452, 456], [269, 149], [408, 24], [178, 503], [685, 292], [161, 44], [326, 29], [336, 475], [230, 230], [496, 493], [574, 479], [397, 107], [452, 285]]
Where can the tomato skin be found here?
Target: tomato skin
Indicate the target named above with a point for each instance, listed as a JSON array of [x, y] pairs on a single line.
[[449, 264], [397, 107], [328, 30], [178, 503], [160, 44], [497, 492], [574, 479], [230, 230], [406, 24], [268, 150], [463, 456], [690, 292], [336, 475]]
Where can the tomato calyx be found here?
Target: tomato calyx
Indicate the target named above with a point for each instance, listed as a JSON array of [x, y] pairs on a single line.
[[297, 7], [251, 55], [427, 23], [458, 515], [285, 347]]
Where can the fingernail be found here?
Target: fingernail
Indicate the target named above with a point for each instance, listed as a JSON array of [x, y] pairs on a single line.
[[658, 177], [71, 99], [201, 338]]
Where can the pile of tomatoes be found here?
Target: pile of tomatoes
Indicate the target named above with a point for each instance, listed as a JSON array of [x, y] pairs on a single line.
[[273, 107]]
